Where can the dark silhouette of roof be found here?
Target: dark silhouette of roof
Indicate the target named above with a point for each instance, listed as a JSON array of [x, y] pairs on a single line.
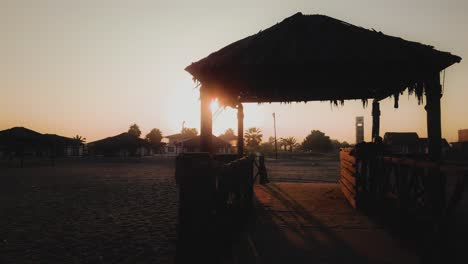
[[24, 136], [19, 133], [61, 140], [316, 57], [124, 140], [401, 138]]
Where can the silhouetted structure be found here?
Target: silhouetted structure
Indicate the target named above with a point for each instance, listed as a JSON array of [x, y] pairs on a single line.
[[122, 145], [232, 140], [359, 129], [21, 142], [410, 143], [463, 135], [424, 146], [344, 61], [402, 143], [319, 58], [180, 143], [461, 146]]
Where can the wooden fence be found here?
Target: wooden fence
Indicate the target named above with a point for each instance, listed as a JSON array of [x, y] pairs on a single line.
[[215, 198], [412, 185]]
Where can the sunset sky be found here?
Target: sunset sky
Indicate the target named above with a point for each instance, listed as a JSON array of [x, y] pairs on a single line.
[[93, 67]]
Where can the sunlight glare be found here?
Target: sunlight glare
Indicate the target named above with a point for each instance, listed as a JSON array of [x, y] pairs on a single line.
[[214, 106]]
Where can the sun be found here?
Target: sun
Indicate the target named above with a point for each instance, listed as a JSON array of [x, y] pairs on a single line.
[[214, 105]]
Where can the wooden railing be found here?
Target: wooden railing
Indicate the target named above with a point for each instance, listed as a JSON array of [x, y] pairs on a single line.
[[215, 198], [348, 176], [412, 185]]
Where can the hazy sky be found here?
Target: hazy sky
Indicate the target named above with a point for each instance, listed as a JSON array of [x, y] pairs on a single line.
[[94, 67]]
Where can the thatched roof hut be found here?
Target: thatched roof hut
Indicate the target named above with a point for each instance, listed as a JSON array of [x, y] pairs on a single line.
[[316, 57], [319, 58], [20, 140]]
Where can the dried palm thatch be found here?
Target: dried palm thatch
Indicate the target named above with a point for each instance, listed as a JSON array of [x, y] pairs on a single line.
[[318, 58]]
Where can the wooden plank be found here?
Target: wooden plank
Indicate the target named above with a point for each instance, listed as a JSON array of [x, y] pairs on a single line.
[[348, 176], [349, 186], [351, 199], [411, 162], [345, 156], [350, 167]]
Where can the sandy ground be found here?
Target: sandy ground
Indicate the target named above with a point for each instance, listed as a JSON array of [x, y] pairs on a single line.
[[304, 169], [313, 223], [89, 212], [114, 211]]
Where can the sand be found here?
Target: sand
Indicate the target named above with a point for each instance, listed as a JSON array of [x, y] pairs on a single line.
[[89, 212], [121, 211]]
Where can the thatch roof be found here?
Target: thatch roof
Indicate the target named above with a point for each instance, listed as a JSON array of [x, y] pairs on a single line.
[[315, 57]]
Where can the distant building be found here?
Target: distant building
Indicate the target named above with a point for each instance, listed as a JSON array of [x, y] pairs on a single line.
[[463, 135], [402, 143], [123, 145], [179, 143], [424, 146], [359, 129], [65, 147], [173, 146], [232, 140], [460, 148], [20, 141], [410, 143]]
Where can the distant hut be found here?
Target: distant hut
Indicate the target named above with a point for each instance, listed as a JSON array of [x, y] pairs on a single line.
[[180, 143], [123, 145], [20, 141], [64, 146]]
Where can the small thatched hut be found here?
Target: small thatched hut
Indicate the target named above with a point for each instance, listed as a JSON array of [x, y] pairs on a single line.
[[319, 58]]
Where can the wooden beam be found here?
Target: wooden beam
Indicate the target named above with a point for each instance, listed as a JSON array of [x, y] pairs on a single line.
[[240, 129], [206, 125], [375, 119], [434, 133]]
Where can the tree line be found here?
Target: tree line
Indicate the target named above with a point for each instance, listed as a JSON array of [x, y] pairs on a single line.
[[155, 136], [316, 141]]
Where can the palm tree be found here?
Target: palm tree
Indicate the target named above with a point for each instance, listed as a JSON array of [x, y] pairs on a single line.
[[80, 139], [253, 136], [282, 143], [289, 142]]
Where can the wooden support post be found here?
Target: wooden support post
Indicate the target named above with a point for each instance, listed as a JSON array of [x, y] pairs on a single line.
[[240, 129], [206, 125], [436, 183], [375, 119], [434, 134]]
